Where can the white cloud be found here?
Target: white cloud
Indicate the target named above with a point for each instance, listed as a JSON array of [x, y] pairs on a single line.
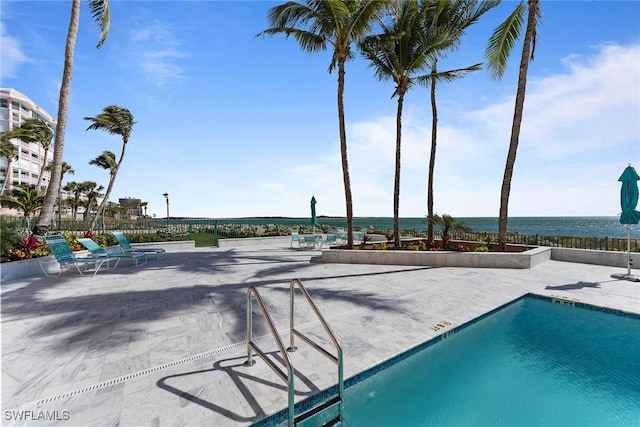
[[11, 55], [156, 52]]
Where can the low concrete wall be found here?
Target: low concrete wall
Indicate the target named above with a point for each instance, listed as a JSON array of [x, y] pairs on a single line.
[[31, 267], [589, 256], [527, 259], [254, 241]]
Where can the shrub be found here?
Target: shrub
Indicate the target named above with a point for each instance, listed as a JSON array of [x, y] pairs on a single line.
[[9, 236], [382, 246], [481, 247]]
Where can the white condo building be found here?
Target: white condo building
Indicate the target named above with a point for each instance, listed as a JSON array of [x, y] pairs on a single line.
[[14, 108]]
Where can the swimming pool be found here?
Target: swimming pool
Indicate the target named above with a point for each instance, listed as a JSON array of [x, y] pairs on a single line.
[[531, 363]]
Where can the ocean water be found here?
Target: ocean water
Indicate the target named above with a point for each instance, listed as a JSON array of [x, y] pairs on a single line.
[[588, 226]]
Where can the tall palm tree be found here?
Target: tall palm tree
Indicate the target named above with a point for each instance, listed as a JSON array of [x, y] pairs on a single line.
[[498, 50], [25, 198], [404, 48], [8, 151], [66, 169], [115, 121], [454, 17], [102, 15], [36, 131], [316, 25]]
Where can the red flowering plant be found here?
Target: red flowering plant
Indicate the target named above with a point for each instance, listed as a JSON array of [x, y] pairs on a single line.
[[88, 234], [30, 247]]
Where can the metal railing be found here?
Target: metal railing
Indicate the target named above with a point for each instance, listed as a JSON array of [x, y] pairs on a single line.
[[207, 232], [293, 332], [288, 377]]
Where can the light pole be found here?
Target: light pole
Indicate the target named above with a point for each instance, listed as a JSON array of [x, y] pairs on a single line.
[[166, 196]]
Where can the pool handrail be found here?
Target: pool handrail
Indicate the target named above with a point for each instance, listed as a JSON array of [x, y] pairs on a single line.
[[288, 377], [338, 359]]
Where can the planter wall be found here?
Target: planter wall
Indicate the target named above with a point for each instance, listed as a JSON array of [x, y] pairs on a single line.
[[31, 267], [527, 259]]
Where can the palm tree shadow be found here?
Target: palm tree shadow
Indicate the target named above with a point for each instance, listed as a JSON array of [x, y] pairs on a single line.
[[573, 286]]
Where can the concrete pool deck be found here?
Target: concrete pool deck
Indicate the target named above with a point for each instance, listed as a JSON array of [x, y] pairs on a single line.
[[164, 343]]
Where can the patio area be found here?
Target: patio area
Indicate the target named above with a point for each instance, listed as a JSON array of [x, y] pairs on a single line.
[[164, 343]]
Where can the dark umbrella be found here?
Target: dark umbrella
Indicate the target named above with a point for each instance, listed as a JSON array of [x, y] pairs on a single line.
[[628, 202], [314, 220]]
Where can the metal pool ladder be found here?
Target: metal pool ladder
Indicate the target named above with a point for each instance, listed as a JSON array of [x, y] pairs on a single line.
[[288, 376]]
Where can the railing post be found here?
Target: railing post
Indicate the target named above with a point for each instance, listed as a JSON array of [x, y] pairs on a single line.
[[292, 346], [249, 361]]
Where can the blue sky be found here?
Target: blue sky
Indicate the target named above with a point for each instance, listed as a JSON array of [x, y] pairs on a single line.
[[230, 124]]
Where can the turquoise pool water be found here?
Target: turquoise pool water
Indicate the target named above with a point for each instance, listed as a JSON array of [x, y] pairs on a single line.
[[533, 363]]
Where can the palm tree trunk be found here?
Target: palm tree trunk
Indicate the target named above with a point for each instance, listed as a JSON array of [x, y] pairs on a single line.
[[6, 177], [46, 214], [343, 153], [396, 184], [517, 121], [112, 180], [44, 164], [432, 156]]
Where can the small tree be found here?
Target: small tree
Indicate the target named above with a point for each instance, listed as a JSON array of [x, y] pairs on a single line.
[[448, 224]]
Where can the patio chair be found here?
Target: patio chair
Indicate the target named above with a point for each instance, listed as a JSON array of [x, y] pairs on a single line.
[[96, 250], [127, 248], [61, 250], [310, 241], [332, 239], [295, 237]]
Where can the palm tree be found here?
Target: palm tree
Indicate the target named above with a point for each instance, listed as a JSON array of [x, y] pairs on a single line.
[[92, 192], [102, 15], [315, 25], [447, 223], [66, 169], [8, 151], [36, 131], [115, 121], [405, 47], [25, 198], [453, 17], [498, 50], [144, 206], [76, 189]]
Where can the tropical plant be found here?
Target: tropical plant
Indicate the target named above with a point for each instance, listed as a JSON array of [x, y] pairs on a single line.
[[36, 131], [8, 151], [405, 48], [115, 121], [25, 198], [74, 202], [92, 192], [315, 25], [498, 50], [102, 15], [9, 235], [454, 17], [448, 224]]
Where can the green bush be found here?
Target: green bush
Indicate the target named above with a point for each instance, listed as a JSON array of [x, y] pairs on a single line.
[[9, 236]]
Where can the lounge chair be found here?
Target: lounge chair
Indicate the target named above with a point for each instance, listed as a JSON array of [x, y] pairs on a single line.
[[127, 248], [96, 250], [332, 239], [65, 257]]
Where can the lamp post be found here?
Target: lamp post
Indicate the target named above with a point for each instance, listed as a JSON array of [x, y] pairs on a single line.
[[166, 196]]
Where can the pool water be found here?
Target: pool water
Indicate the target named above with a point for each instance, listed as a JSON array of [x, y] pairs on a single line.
[[533, 363]]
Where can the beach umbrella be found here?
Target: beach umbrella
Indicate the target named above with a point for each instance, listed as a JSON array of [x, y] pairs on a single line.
[[628, 203], [314, 220]]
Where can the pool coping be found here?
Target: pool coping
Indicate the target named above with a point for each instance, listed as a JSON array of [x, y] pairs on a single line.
[[310, 402]]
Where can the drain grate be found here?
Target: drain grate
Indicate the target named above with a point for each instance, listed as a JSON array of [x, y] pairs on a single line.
[[440, 325], [137, 374]]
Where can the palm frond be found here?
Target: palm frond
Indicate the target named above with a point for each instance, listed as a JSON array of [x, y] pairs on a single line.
[[102, 15], [502, 41]]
